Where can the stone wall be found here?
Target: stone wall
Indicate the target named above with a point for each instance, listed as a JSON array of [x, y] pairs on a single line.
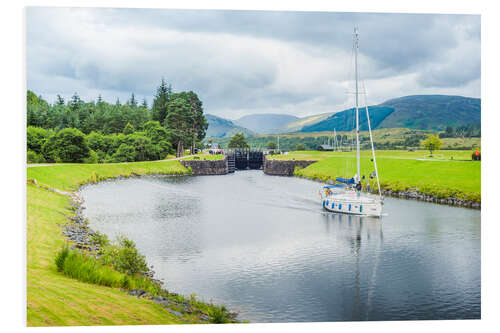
[[283, 168], [206, 167]]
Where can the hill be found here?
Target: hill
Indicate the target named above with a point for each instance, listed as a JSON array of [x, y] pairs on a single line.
[[432, 112], [425, 112], [346, 120], [219, 127], [266, 122], [298, 124]]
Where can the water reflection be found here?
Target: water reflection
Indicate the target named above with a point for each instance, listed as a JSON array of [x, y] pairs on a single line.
[[263, 245]]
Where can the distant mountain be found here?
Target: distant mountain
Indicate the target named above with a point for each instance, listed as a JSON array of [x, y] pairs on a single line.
[[265, 123], [432, 112], [220, 127], [346, 120], [425, 112], [297, 125]]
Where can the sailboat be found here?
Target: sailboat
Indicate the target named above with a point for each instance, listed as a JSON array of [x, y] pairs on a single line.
[[346, 196]]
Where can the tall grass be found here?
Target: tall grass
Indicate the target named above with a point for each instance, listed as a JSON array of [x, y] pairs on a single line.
[[87, 268]]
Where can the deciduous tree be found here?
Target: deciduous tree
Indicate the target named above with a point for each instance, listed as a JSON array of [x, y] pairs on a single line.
[[432, 143], [238, 141]]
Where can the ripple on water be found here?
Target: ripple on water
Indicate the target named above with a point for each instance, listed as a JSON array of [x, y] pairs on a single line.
[[264, 246]]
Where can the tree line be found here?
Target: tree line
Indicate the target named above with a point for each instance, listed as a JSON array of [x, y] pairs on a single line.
[[467, 131], [96, 131]]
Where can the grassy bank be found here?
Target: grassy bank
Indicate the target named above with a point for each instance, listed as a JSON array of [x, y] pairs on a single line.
[[68, 177], [52, 297], [445, 174], [205, 157]]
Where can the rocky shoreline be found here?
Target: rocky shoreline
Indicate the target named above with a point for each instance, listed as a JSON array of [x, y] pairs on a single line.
[[415, 195]]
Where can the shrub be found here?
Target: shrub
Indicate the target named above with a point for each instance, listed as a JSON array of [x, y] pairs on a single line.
[[92, 159], [60, 258], [124, 153], [100, 239], [36, 137], [124, 257], [88, 269], [68, 145], [126, 282], [129, 129], [300, 146], [218, 314], [33, 157]]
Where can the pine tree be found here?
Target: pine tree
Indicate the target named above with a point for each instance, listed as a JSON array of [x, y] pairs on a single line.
[[161, 100], [118, 102], [75, 103], [144, 103], [179, 123], [132, 102], [199, 125], [60, 100]]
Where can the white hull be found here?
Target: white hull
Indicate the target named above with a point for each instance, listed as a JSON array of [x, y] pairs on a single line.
[[362, 205]]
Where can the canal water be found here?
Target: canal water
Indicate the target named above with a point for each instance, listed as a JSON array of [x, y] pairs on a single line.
[[263, 246]]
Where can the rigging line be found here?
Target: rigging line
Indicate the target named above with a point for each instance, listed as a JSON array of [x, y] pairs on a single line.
[[371, 137]]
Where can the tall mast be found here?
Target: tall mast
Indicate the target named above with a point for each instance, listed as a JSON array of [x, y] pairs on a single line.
[[335, 140], [357, 97]]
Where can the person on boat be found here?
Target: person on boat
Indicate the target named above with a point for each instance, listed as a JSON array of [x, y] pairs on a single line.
[[358, 186]]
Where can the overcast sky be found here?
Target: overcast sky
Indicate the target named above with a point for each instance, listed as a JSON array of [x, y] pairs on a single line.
[[244, 62]]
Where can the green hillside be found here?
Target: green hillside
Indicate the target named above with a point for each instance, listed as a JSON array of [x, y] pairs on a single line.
[[346, 120], [424, 112], [305, 121], [219, 127], [432, 112]]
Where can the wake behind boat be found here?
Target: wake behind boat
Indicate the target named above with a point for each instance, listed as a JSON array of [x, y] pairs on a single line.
[[346, 196]]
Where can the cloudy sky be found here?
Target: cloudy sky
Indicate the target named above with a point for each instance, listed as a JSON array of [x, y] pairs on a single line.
[[244, 62]]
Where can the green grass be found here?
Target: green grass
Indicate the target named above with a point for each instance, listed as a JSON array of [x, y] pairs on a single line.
[[54, 299], [69, 177], [84, 267], [205, 157], [456, 155], [438, 175]]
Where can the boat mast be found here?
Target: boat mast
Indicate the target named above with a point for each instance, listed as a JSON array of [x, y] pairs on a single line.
[[356, 45]]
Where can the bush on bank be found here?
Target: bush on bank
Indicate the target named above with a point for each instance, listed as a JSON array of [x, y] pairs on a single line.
[[70, 145], [121, 266], [85, 267]]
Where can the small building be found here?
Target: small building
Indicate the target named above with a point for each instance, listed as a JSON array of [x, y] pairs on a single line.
[[325, 148]]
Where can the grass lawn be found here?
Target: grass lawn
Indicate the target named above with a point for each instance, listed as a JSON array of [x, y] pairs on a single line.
[[439, 175], [68, 177], [54, 299], [206, 157]]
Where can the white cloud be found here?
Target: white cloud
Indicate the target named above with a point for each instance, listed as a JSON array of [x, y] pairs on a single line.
[[233, 70]]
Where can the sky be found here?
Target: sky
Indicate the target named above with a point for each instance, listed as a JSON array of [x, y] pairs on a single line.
[[247, 62]]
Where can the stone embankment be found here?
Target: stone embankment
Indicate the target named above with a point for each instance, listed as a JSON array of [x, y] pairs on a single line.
[[415, 195], [206, 167], [284, 168]]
